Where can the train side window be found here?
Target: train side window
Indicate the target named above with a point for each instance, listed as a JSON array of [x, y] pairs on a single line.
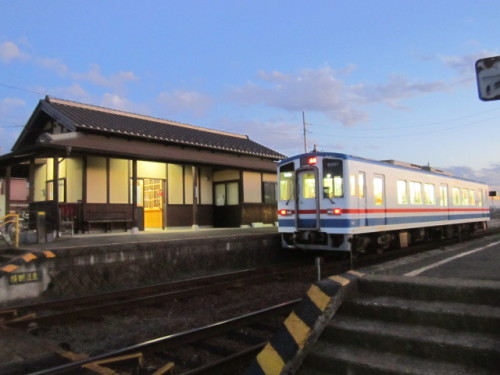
[[429, 194], [455, 196], [443, 196], [308, 185], [479, 198], [352, 185], [472, 198], [333, 172], [402, 191], [465, 197], [287, 178], [361, 184], [415, 192], [378, 191]]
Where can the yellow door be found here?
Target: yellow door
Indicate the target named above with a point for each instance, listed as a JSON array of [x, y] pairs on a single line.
[[153, 203]]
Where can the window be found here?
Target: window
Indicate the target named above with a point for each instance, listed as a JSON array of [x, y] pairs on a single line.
[[443, 196], [232, 194], [472, 198], [269, 190], [465, 197], [415, 192], [61, 191], [455, 196], [429, 194], [479, 198], [402, 192], [226, 194], [361, 184], [378, 191], [332, 178], [308, 185], [287, 178], [352, 185]]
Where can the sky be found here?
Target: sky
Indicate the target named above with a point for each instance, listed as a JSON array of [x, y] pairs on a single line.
[[385, 79]]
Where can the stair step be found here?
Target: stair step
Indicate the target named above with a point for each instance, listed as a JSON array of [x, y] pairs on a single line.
[[439, 344], [338, 359], [484, 292], [451, 315]]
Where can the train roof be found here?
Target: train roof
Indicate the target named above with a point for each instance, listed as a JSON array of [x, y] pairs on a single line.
[[386, 163]]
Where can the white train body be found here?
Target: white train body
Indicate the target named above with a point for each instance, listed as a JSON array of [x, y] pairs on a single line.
[[333, 201]]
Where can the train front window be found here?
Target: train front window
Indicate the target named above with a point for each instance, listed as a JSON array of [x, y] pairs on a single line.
[[333, 178], [308, 185], [287, 178]]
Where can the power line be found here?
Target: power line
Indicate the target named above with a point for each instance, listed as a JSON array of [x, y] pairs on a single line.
[[408, 134], [22, 89]]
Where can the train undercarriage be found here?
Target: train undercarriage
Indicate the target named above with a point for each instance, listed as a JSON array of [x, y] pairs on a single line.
[[377, 241]]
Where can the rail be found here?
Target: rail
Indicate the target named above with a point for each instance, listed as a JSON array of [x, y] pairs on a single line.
[[9, 229], [178, 339]]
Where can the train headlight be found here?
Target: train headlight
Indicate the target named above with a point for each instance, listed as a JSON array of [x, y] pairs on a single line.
[[312, 160], [334, 211]]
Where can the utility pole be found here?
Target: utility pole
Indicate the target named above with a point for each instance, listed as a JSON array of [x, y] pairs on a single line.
[[305, 131]]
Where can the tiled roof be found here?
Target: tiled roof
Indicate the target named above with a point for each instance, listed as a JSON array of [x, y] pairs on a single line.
[[85, 117]]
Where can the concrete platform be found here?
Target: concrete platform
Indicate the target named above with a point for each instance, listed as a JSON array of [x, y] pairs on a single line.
[[476, 260], [90, 263]]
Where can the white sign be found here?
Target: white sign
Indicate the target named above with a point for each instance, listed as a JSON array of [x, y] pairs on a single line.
[[488, 78]]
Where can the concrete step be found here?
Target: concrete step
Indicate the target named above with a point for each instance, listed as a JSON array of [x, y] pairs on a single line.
[[337, 359], [450, 315], [403, 325], [483, 292], [442, 345]]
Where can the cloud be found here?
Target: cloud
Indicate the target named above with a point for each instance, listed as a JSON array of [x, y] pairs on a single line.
[[325, 91], [116, 102], [398, 88], [53, 64], [464, 65], [10, 51], [95, 76], [180, 101], [490, 175], [9, 104]]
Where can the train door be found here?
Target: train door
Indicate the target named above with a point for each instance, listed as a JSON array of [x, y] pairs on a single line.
[[379, 199], [307, 198], [362, 203]]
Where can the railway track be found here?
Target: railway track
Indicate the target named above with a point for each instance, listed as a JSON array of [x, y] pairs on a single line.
[[93, 306], [225, 347]]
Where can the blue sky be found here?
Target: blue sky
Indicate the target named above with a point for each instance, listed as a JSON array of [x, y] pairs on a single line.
[[378, 79]]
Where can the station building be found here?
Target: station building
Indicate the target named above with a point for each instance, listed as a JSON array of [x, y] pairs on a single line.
[[98, 169]]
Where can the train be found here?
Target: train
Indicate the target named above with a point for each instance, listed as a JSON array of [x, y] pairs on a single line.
[[331, 201]]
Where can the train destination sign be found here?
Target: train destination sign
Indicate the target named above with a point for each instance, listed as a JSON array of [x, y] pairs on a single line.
[[488, 78]]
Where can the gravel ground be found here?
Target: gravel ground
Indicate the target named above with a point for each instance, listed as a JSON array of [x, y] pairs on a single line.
[[131, 327]]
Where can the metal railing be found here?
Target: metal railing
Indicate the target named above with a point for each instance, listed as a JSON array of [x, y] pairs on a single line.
[[9, 229]]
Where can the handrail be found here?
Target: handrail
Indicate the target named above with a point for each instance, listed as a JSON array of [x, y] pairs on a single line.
[[5, 221]]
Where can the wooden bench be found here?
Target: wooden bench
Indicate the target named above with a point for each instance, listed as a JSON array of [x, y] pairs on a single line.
[[107, 219]]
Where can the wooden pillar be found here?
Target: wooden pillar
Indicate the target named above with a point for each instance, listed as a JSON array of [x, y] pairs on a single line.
[[55, 193], [84, 180], [134, 196], [196, 194]]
